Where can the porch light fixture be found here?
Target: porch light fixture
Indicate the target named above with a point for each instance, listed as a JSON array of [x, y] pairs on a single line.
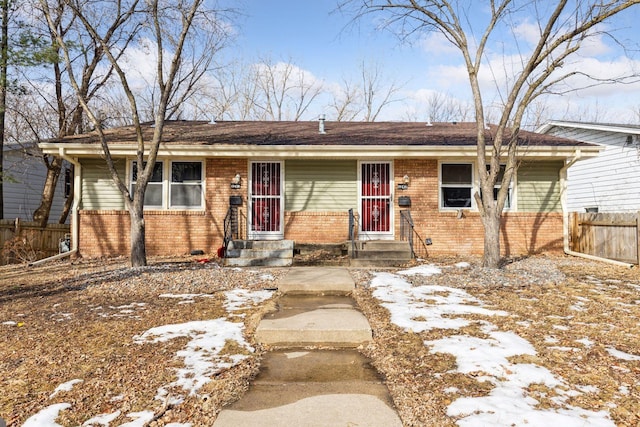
[[406, 179], [236, 182]]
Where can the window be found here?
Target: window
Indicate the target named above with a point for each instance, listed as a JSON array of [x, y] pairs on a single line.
[[496, 188], [173, 185], [68, 181], [186, 184], [456, 185], [153, 194]]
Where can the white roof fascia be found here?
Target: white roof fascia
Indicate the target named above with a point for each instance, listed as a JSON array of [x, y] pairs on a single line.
[[589, 126], [311, 151]]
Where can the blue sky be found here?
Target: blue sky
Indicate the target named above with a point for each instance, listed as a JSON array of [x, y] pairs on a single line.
[[319, 39]]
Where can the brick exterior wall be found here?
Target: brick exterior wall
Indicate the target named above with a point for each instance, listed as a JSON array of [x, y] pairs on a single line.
[[522, 233], [106, 233]]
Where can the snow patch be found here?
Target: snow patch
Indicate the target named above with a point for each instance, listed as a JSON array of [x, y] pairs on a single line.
[[140, 419], [102, 419], [422, 308], [426, 307], [240, 299], [621, 354], [68, 386], [422, 270], [202, 355], [47, 416]]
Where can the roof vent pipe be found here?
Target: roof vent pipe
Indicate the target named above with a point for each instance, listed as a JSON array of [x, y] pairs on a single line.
[[321, 124]]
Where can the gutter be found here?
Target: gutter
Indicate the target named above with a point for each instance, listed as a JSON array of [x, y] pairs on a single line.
[[75, 207], [565, 217], [311, 151]]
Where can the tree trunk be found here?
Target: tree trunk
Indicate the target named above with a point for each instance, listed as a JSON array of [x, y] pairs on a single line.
[[67, 206], [41, 214], [138, 251], [491, 222]]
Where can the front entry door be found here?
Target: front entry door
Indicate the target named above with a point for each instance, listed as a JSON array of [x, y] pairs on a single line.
[[376, 201], [266, 201]]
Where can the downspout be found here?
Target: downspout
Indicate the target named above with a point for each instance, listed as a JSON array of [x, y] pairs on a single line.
[[75, 207], [565, 217]]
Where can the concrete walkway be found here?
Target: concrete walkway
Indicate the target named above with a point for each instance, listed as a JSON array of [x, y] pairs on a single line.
[[314, 376]]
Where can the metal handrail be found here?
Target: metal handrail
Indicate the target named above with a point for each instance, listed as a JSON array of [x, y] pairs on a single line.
[[408, 232], [353, 223], [228, 232], [234, 225]]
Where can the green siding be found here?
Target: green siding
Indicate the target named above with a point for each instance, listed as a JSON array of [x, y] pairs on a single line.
[[321, 185], [539, 186], [98, 190]]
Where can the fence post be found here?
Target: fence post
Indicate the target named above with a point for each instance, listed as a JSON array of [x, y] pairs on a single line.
[[574, 232]]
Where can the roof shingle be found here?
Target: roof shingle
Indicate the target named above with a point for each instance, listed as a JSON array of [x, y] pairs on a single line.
[[287, 133]]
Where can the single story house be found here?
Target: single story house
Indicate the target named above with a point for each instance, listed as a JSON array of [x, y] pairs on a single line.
[[609, 182], [299, 181], [24, 174]]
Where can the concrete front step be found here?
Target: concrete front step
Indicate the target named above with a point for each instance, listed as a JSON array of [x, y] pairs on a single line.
[[379, 253], [380, 263], [313, 388], [261, 244], [381, 245], [383, 254], [306, 320], [313, 280], [258, 262], [259, 253]]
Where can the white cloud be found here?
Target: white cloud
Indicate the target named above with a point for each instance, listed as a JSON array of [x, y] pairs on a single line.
[[434, 43], [527, 31]]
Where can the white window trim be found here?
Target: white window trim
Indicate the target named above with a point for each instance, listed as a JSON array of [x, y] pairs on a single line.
[[170, 184], [166, 184], [512, 191], [131, 182], [475, 187]]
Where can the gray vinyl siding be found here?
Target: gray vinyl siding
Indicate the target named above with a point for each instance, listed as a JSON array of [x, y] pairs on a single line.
[[98, 190], [610, 181], [321, 185], [22, 188], [538, 186]]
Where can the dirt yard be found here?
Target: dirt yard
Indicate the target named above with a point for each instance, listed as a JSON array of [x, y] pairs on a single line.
[[98, 343]]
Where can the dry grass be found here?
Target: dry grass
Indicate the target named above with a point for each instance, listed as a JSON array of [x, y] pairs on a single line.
[[570, 310], [78, 321]]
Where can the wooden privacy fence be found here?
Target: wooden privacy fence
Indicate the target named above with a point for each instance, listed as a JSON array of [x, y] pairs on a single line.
[[23, 241], [608, 235]]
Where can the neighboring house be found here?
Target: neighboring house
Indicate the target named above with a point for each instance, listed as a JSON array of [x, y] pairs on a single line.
[[609, 182], [298, 181], [24, 175]]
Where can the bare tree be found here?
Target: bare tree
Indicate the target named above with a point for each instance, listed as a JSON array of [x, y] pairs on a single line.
[[371, 93], [439, 107], [376, 92], [283, 90], [84, 60], [560, 30], [346, 102], [168, 27]]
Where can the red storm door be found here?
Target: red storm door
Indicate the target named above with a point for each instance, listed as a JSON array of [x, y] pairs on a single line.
[[266, 200], [375, 199]]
